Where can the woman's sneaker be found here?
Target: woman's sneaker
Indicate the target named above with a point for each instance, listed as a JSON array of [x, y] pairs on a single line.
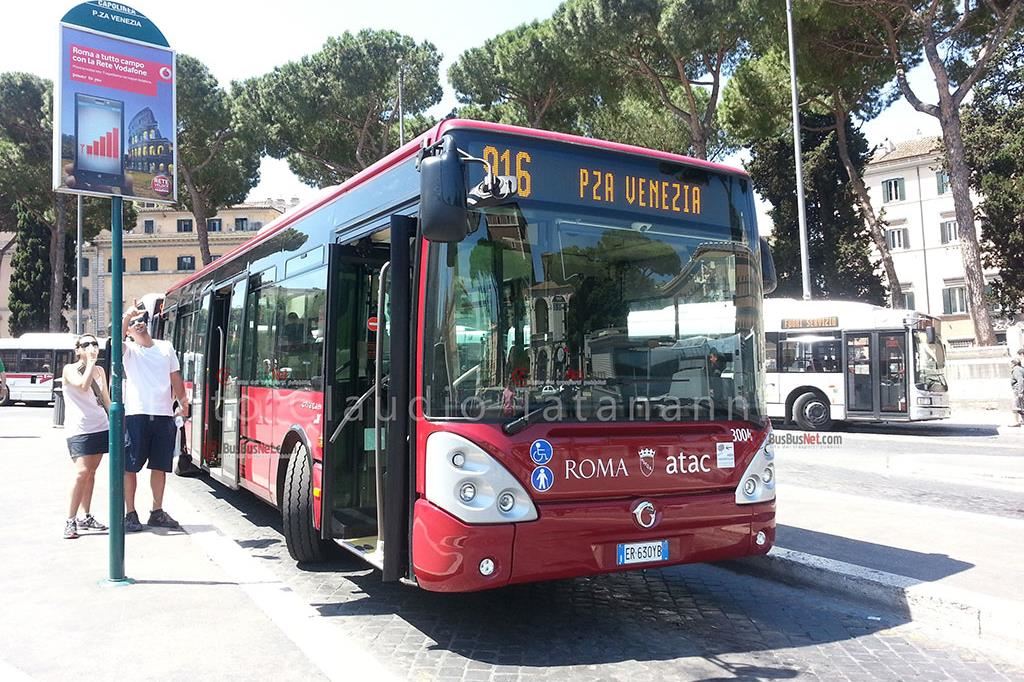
[[70, 529], [90, 523]]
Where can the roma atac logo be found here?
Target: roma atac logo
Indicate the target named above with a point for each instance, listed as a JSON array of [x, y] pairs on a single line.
[[646, 461]]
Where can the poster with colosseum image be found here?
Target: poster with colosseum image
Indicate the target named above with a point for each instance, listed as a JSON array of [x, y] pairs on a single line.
[[114, 117]]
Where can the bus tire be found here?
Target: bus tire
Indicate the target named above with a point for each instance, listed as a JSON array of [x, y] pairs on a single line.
[[5, 395], [812, 412], [300, 535]]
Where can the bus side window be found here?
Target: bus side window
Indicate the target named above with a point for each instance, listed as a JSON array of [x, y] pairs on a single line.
[[771, 351]]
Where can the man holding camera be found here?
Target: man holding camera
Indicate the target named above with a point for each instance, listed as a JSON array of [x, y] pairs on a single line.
[[152, 382]]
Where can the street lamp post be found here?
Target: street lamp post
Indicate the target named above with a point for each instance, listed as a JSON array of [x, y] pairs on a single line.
[[805, 266]]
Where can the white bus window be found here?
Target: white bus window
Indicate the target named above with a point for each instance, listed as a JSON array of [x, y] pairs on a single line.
[[814, 354]]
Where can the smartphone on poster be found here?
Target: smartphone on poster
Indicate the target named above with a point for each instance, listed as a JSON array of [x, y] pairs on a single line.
[[99, 135]]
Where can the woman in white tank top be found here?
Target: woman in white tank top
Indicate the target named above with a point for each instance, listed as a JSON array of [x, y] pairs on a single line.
[[86, 402]]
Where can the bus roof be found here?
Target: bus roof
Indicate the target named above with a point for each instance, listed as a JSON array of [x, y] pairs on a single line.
[[410, 149], [803, 315], [40, 341]]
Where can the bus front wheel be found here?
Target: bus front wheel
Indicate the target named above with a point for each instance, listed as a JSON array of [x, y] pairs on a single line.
[[301, 536], [812, 412]]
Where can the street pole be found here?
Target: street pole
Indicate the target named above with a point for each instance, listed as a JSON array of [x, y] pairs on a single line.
[[78, 272], [116, 459], [401, 115], [805, 266]]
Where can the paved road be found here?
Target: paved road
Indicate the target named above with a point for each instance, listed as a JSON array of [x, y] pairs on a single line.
[[694, 622]]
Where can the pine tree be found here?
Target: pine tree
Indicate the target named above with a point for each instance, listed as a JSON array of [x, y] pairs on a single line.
[[840, 259], [30, 277]]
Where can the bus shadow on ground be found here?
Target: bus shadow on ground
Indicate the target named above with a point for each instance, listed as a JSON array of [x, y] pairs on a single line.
[[903, 562], [659, 617]]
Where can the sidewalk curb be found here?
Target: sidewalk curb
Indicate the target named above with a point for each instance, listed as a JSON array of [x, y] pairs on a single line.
[[967, 613]]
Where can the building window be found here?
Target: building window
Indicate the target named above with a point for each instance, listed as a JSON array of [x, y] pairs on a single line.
[[85, 298], [954, 300], [184, 224], [186, 263], [148, 264], [148, 226], [214, 256], [950, 235], [110, 265], [908, 300], [213, 225], [241, 224], [893, 190], [942, 182], [897, 238], [84, 266]]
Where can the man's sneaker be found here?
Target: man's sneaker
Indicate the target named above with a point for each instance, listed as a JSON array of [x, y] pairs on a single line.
[[70, 529], [131, 522], [90, 523], [158, 518]]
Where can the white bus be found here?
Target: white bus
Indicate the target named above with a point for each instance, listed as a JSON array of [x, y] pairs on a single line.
[[31, 361], [831, 361]]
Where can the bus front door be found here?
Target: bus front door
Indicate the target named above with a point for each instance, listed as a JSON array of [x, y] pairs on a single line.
[[351, 471], [227, 385], [876, 377]]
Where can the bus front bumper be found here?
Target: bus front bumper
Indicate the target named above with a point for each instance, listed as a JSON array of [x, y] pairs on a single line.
[[573, 539]]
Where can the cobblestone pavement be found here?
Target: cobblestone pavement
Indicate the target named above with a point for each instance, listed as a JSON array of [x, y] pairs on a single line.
[[697, 622]]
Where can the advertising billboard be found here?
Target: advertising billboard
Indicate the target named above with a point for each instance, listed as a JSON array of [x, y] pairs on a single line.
[[114, 128]]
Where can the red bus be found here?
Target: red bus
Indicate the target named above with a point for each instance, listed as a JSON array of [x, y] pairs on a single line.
[[498, 355]]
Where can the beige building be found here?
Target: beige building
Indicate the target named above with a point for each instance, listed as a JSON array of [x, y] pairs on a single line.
[[906, 182], [161, 250]]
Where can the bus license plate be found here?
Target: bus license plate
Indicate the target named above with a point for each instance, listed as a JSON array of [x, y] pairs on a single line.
[[641, 552]]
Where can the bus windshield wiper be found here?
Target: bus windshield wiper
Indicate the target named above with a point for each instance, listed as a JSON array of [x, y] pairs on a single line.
[[520, 423]]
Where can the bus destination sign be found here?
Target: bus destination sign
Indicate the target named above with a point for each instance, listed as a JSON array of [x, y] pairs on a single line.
[[811, 322]]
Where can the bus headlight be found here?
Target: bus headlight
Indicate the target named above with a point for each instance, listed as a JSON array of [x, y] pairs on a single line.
[[465, 481], [924, 401], [758, 481]]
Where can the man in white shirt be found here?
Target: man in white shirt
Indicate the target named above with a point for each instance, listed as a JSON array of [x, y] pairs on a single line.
[[153, 383]]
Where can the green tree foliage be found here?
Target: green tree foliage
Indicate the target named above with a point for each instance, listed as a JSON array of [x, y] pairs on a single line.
[[30, 277], [844, 75], [26, 139], [959, 42], [335, 112], [674, 48], [526, 76], [840, 263], [639, 121], [994, 139], [218, 160]]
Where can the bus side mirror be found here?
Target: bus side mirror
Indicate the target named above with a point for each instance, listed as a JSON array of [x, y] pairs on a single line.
[[769, 280], [443, 213], [929, 334]]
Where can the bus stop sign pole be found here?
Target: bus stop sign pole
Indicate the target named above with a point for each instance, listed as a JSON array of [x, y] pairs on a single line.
[[116, 459]]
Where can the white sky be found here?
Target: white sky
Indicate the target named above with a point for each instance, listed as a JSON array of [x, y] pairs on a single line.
[[238, 40]]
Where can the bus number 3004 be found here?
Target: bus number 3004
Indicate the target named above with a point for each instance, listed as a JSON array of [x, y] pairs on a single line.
[[500, 162]]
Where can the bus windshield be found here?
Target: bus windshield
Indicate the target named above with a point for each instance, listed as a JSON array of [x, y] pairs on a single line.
[[617, 316], [929, 362]]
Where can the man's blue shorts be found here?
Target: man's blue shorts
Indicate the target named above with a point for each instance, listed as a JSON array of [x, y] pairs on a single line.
[[152, 440]]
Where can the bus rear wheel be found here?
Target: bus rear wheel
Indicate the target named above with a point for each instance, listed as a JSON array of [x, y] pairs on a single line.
[[812, 412], [301, 536]]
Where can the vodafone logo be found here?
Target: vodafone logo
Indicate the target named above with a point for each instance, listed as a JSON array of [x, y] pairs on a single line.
[[165, 73], [162, 184]]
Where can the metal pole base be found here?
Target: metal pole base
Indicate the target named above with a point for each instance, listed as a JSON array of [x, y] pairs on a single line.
[[116, 582]]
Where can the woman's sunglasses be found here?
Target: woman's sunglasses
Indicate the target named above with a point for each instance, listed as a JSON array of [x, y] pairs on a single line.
[[87, 344]]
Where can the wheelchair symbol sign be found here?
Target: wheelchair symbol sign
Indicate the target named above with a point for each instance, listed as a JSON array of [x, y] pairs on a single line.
[[541, 452]]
